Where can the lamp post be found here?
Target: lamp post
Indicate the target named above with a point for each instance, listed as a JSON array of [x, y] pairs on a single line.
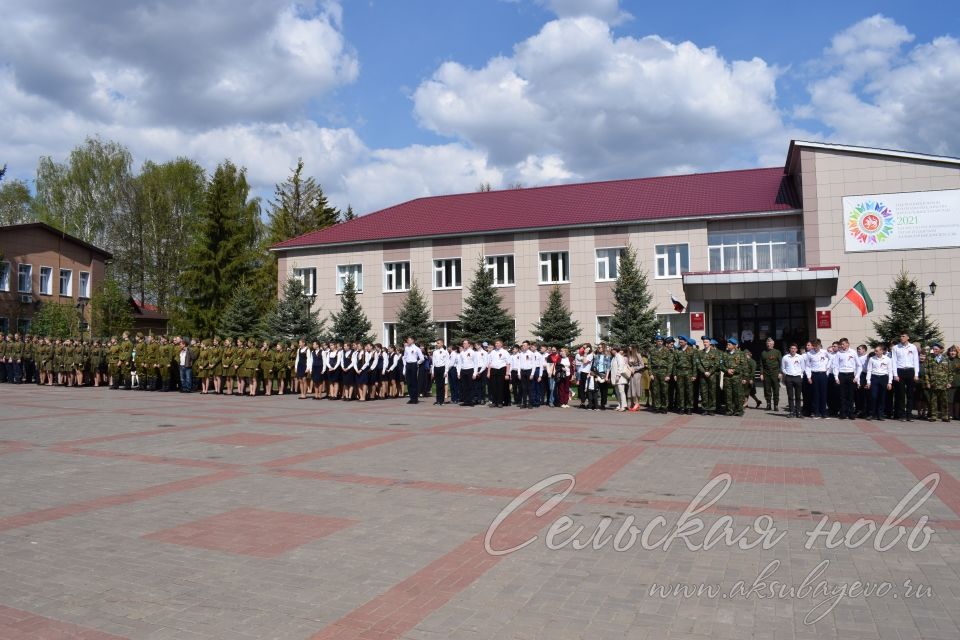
[[923, 314]]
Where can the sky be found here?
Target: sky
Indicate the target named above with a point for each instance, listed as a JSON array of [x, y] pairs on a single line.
[[388, 100]]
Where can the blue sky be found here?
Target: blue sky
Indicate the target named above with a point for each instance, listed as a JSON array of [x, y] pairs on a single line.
[[389, 100]]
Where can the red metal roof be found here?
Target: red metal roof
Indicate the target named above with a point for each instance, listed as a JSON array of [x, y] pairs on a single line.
[[644, 199]]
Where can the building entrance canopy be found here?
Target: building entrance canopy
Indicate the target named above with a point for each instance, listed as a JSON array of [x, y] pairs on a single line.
[[764, 284]]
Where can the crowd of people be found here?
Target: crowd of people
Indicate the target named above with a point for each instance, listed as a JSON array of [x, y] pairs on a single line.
[[673, 374]]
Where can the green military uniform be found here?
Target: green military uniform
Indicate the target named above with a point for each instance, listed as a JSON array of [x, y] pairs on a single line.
[[215, 360], [750, 386], [113, 356], [265, 364], [708, 361], [250, 362], [96, 358], [938, 376], [770, 368], [200, 370], [281, 360], [147, 364], [125, 357], [734, 370], [685, 370], [662, 361]]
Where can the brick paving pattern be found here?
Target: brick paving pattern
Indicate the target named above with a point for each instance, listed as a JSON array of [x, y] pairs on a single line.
[[163, 516]]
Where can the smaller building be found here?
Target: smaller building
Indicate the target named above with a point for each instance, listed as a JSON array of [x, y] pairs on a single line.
[[40, 264], [147, 318]]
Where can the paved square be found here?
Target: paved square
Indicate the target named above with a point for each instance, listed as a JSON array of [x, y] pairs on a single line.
[[162, 516]]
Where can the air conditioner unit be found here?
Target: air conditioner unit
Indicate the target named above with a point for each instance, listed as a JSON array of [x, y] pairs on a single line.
[[26, 298]]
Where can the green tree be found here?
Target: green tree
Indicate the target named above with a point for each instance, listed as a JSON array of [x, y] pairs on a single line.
[[413, 317], [556, 326], [903, 316], [56, 320], [224, 250], [350, 324], [634, 318], [483, 316], [349, 214], [110, 310], [293, 318], [15, 203], [241, 316]]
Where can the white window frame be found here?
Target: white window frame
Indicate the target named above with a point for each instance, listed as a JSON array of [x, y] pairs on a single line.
[[546, 261], [661, 259], [308, 276], [29, 277], [69, 288], [388, 328], [443, 330], [603, 260], [390, 270], [5, 270], [439, 273], [344, 271], [40, 289], [84, 291], [599, 327], [494, 268], [753, 245]]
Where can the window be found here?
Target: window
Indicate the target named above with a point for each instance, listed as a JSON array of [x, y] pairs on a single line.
[[66, 282], [46, 281], [4, 276], [672, 260], [674, 324], [608, 263], [603, 328], [23, 325], [4, 325], [309, 279], [25, 278], [502, 269], [84, 284], [446, 274], [345, 271], [749, 250], [448, 331], [389, 334], [554, 267], [396, 276]]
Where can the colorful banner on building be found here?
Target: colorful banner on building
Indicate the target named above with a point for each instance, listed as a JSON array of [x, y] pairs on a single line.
[[916, 220]]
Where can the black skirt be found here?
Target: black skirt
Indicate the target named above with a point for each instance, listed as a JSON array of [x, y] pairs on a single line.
[[349, 377], [316, 375], [398, 374]]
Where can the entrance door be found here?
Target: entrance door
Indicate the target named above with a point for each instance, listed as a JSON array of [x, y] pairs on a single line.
[[753, 322]]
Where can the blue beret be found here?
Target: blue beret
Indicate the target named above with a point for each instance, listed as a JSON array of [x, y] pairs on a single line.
[[733, 341], [684, 338], [659, 338], [704, 338], [935, 344], [713, 342]]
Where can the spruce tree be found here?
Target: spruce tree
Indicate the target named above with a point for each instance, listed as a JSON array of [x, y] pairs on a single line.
[[556, 326], [224, 250], [110, 312], [903, 300], [413, 317], [634, 318], [240, 317], [292, 318], [349, 214], [350, 324], [483, 316]]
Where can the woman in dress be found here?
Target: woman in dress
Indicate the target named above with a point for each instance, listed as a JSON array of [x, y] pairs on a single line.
[[563, 374], [317, 371], [397, 371], [364, 358], [635, 395], [304, 366], [348, 377]]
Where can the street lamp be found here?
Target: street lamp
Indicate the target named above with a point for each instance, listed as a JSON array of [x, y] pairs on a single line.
[[923, 314]]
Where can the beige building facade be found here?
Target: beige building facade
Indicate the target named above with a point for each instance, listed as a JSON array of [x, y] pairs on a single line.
[[754, 272]]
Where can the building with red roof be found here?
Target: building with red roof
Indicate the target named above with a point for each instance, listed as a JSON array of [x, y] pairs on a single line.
[[751, 253]]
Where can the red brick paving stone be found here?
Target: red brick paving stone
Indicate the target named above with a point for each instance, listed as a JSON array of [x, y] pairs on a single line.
[[13, 446], [252, 532], [548, 429], [139, 457], [948, 491], [248, 439], [378, 481], [335, 451], [765, 474], [799, 452], [23, 625], [77, 508]]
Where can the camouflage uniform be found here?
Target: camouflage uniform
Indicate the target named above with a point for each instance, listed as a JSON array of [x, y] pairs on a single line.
[[938, 376], [685, 369], [708, 362], [734, 371], [662, 363], [770, 368]]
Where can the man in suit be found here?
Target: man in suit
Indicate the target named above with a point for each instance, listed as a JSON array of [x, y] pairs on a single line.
[[185, 361]]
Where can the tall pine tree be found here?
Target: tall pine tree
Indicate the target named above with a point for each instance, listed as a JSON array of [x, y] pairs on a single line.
[[634, 318], [223, 251], [240, 317], [903, 300], [413, 317], [483, 316], [293, 318], [556, 326], [350, 324]]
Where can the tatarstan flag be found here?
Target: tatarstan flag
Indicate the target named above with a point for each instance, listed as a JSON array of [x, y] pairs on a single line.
[[858, 295]]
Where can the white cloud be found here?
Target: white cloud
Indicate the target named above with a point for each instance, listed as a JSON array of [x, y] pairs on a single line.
[[874, 95], [607, 10]]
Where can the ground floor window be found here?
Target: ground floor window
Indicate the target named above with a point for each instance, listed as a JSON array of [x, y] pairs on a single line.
[[603, 328], [389, 334], [4, 325], [448, 331], [752, 323], [674, 324], [23, 325]]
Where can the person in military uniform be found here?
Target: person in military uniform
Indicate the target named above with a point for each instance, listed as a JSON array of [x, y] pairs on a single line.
[[125, 360], [662, 362], [685, 372], [147, 363], [734, 378], [228, 358], [750, 386], [215, 365], [29, 353], [938, 377], [708, 369], [200, 370], [250, 367], [67, 366], [264, 366], [113, 359], [770, 375]]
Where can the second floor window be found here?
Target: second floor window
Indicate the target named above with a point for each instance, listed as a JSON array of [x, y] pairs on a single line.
[[446, 274], [66, 282], [749, 250], [554, 267], [309, 279], [46, 281], [672, 260], [346, 271], [4, 276], [396, 276], [608, 263], [502, 269], [84, 284]]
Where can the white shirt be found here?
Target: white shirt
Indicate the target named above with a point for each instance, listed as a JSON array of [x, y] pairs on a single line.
[[499, 358], [879, 367], [539, 361], [527, 360], [906, 357], [816, 362], [467, 360], [440, 358], [482, 359], [183, 357], [846, 362], [454, 361], [584, 363], [793, 365], [394, 361], [412, 354]]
